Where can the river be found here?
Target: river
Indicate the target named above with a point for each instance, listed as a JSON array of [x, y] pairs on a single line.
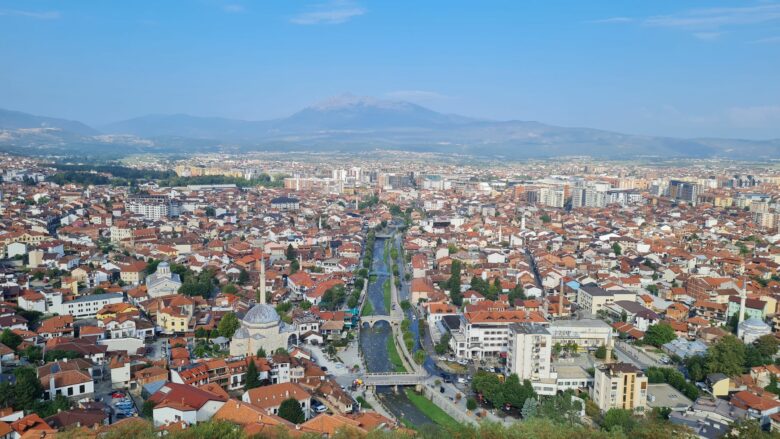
[[373, 341]]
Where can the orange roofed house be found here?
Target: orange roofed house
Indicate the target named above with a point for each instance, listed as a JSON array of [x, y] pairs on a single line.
[[485, 334]]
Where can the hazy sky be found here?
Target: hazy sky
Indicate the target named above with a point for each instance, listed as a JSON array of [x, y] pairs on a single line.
[[649, 67]]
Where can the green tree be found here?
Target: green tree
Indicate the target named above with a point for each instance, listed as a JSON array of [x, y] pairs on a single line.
[[419, 357], [618, 418], [727, 356], [453, 284], [529, 408], [659, 334], [243, 277], [601, 352], [294, 266], [210, 211], [471, 404], [230, 289], [545, 218], [252, 378], [10, 339], [228, 325], [291, 253], [28, 389], [767, 345], [617, 249], [261, 352], [147, 411], [291, 410]]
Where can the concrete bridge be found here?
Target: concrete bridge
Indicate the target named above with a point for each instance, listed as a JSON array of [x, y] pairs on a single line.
[[373, 319], [394, 379]]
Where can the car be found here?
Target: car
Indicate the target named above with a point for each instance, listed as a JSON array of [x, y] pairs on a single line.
[[461, 380], [441, 389], [324, 369], [125, 406], [117, 395]]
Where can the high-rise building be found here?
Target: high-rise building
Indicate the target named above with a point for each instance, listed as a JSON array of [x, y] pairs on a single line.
[[620, 386], [529, 351], [153, 207], [683, 190]]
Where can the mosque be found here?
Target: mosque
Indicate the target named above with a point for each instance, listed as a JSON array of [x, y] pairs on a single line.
[[262, 327], [753, 328]]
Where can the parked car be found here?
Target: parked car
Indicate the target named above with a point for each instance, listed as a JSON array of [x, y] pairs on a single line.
[[117, 395], [441, 389]]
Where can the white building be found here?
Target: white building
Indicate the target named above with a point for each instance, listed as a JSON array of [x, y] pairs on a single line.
[[585, 333], [592, 298], [84, 306], [529, 355], [162, 282]]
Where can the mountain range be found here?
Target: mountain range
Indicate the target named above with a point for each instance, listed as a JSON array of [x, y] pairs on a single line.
[[355, 124]]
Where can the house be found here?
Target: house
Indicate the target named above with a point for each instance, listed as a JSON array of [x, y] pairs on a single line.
[[718, 384], [269, 398], [176, 403], [758, 407], [70, 383], [421, 289]]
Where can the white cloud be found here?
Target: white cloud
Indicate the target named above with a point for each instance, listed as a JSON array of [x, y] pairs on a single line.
[[716, 18], [415, 95], [756, 116], [333, 12], [46, 15], [768, 40], [613, 20]]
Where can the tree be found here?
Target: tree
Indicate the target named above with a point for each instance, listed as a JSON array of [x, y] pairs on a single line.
[[453, 284], [444, 344], [659, 334], [10, 339], [727, 356], [147, 411], [28, 389], [243, 277], [291, 410], [471, 404], [252, 378], [767, 345], [617, 249], [228, 325], [545, 218], [294, 266], [210, 211], [291, 253], [261, 352], [419, 357], [529, 408], [601, 352], [615, 418]]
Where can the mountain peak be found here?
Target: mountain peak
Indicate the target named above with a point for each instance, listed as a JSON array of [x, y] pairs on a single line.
[[350, 101]]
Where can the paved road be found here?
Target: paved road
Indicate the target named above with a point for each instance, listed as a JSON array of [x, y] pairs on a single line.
[[626, 352]]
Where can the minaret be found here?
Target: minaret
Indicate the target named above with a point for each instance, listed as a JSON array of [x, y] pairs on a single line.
[[262, 278], [742, 298], [522, 223], [500, 234]]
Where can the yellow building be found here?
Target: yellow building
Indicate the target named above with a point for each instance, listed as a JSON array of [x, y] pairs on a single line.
[[621, 386], [719, 384], [113, 310]]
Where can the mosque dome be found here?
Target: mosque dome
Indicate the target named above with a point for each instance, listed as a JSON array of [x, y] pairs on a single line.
[[261, 314]]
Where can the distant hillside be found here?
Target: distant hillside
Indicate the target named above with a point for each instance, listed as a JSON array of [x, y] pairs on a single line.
[[14, 120], [357, 124]]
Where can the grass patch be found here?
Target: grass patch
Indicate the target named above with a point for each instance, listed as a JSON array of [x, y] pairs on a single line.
[[371, 278], [368, 308], [394, 356], [431, 410], [363, 403], [387, 297]]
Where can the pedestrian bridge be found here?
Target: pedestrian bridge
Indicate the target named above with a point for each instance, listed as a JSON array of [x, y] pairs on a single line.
[[372, 320], [394, 379]]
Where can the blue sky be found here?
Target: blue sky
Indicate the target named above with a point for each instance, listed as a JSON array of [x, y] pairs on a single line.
[[675, 68]]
